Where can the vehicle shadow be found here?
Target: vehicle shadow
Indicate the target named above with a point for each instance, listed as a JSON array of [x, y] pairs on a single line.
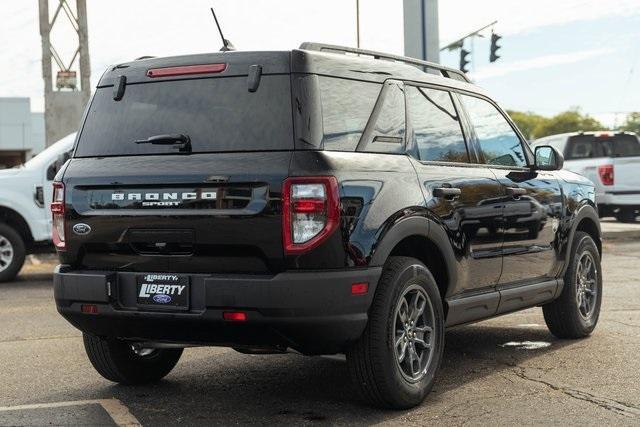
[[232, 388], [29, 281]]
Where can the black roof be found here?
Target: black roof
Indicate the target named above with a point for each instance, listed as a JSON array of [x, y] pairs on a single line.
[[311, 58]]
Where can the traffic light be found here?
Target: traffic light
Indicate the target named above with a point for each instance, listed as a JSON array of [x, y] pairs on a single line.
[[493, 57], [463, 60]]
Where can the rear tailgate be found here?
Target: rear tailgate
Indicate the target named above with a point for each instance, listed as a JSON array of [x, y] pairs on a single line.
[[598, 155], [208, 201], [626, 175], [624, 151], [200, 213]]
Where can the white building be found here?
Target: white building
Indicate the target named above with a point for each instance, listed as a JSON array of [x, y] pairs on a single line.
[[21, 131]]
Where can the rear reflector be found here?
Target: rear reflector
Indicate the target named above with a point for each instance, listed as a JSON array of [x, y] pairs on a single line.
[[234, 316], [359, 288], [186, 70], [89, 308]]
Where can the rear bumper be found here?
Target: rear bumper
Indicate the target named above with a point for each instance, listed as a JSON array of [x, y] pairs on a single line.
[[312, 312], [619, 199]]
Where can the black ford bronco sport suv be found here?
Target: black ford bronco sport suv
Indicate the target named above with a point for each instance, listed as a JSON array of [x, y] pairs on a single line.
[[321, 200]]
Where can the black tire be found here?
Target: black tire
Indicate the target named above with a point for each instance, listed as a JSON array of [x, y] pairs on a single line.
[[116, 361], [563, 316], [627, 215], [373, 362], [11, 241]]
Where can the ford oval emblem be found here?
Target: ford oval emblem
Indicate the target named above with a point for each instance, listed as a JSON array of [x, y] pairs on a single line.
[[162, 298], [81, 229]]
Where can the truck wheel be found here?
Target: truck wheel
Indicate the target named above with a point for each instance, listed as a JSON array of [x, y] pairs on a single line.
[[12, 253], [121, 362], [626, 215], [395, 361], [575, 313]]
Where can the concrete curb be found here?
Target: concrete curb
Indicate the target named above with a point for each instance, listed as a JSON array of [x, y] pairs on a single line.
[[621, 235], [614, 230]]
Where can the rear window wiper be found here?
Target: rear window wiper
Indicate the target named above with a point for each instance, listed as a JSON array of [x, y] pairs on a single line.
[[182, 141]]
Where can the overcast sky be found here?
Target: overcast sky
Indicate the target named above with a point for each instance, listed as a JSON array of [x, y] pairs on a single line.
[[555, 55]]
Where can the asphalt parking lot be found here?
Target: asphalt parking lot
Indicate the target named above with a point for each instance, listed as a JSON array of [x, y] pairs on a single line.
[[508, 370]]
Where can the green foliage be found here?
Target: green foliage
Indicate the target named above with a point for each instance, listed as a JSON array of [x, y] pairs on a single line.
[[568, 121], [632, 123], [536, 126], [527, 122]]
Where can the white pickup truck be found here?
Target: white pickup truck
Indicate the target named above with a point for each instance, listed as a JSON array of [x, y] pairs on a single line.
[[25, 196], [611, 160]]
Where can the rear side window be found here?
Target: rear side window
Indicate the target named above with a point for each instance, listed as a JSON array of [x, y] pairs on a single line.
[[604, 145], [386, 129], [436, 126], [218, 115], [499, 143], [346, 107]]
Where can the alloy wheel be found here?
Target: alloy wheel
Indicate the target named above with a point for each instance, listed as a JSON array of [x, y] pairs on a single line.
[[413, 334], [6, 253], [586, 285]]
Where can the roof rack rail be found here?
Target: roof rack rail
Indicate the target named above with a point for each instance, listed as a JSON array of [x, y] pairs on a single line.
[[448, 72]]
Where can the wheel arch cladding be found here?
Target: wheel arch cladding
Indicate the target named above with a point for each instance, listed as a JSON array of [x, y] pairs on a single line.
[[425, 240], [586, 219], [589, 226], [17, 222]]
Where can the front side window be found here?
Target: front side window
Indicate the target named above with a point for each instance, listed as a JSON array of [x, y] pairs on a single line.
[[499, 143], [436, 126]]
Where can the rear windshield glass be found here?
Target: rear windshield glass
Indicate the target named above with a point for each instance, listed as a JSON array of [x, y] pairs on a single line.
[[593, 146], [218, 114]]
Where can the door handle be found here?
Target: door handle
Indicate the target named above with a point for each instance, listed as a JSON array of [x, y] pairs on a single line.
[[516, 191], [447, 192]]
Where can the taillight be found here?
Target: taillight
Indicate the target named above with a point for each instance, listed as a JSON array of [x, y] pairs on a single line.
[[606, 174], [310, 212], [57, 211]]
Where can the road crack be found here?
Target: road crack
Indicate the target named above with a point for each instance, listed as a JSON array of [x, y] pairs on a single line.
[[620, 408], [622, 323], [53, 337]]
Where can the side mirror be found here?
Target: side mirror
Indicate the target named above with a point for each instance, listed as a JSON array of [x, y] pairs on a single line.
[[548, 158]]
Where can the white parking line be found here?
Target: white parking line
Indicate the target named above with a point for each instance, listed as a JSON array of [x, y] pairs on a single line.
[[117, 411]]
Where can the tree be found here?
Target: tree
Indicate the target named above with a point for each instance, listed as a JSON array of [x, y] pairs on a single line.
[[632, 123], [536, 126], [568, 121], [527, 122]]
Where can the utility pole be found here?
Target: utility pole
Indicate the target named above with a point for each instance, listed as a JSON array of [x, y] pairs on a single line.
[[358, 24], [421, 33], [64, 104]]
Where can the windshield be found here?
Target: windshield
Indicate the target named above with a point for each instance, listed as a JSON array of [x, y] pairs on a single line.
[[593, 146], [49, 154], [217, 114]]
